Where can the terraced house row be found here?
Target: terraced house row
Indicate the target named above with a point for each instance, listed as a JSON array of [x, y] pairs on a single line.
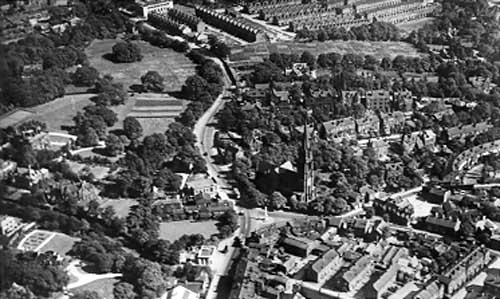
[[256, 6], [230, 25], [343, 13], [177, 21]]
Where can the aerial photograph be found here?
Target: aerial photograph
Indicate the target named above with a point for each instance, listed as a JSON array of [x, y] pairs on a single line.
[[249, 149]]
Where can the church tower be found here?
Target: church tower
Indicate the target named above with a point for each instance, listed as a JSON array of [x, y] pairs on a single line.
[[308, 165]]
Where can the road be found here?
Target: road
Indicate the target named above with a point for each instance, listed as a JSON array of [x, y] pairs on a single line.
[[205, 133]]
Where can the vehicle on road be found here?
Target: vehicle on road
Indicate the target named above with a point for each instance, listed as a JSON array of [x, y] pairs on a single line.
[[225, 249]]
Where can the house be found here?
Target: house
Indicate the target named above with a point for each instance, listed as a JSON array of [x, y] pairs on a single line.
[[362, 227], [180, 292], [492, 282], [467, 130], [355, 275], [338, 129], [154, 6], [28, 177], [7, 168], [201, 183], [391, 256], [399, 209], [327, 265], [419, 140], [435, 194], [297, 246], [381, 285], [380, 146], [368, 126], [377, 100], [349, 97], [9, 225], [432, 290], [205, 255], [403, 100], [392, 122], [166, 208], [466, 269], [393, 170], [442, 224]]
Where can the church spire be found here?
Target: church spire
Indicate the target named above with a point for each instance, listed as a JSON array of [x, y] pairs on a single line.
[[308, 164]]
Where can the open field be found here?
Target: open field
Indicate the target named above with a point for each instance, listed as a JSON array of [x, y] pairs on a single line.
[[122, 206], [408, 27], [56, 114], [173, 66], [104, 287], [156, 111], [172, 231], [60, 243], [377, 49]]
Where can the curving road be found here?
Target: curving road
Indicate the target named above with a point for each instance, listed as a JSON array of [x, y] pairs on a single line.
[[205, 133]]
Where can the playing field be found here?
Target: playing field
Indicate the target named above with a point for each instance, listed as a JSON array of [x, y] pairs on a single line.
[[173, 66], [377, 49], [172, 231]]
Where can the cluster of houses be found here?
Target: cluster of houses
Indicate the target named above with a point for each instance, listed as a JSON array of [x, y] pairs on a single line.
[[230, 24], [199, 201], [315, 15], [19, 18], [292, 261]]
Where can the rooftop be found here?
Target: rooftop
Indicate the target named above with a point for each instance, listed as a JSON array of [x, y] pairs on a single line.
[[325, 260], [206, 251]]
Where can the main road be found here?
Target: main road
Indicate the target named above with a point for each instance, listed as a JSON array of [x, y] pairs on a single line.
[[205, 132]]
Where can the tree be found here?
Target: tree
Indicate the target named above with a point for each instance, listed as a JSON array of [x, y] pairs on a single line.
[[229, 220], [194, 87], [132, 128], [308, 58], [220, 49], [124, 290], [88, 137], [108, 115], [152, 81], [86, 295], [85, 76], [167, 180], [277, 200], [126, 52], [114, 145]]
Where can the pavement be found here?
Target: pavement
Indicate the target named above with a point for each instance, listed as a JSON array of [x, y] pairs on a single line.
[[83, 278]]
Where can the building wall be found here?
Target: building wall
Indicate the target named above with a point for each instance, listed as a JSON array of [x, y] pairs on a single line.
[[159, 7]]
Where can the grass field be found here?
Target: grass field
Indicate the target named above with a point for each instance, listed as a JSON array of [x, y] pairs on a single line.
[[173, 66], [172, 231], [60, 243], [104, 287], [414, 25], [377, 49], [56, 114], [121, 206]]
